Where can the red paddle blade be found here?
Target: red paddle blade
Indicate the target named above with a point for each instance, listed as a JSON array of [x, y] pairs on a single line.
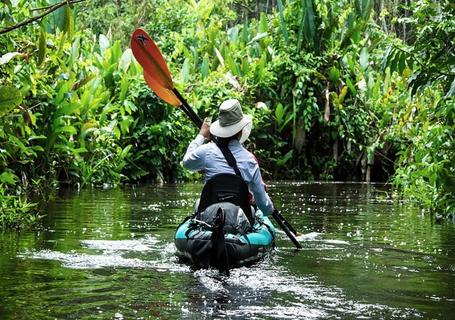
[[164, 93], [150, 58]]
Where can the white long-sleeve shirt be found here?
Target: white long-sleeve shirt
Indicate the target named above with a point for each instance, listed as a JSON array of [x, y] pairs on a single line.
[[209, 158]]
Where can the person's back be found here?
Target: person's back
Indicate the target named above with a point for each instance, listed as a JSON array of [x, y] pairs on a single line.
[[232, 129]]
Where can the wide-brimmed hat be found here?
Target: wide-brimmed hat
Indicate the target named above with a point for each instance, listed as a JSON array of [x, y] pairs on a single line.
[[231, 121]]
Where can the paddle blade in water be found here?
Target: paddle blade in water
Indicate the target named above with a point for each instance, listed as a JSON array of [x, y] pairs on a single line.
[[164, 93], [150, 58]]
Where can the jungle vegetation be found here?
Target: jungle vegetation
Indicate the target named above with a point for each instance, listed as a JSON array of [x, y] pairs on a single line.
[[348, 90]]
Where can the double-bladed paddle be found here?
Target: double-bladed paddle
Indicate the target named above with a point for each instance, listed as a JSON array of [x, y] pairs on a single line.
[[159, 79]]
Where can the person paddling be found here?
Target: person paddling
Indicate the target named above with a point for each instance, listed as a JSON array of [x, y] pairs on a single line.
[[231, 130]]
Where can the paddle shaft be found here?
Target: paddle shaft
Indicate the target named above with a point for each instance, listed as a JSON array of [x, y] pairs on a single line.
[[187, 109], [287, 228], [279, 216]]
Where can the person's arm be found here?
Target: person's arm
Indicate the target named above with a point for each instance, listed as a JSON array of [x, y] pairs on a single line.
[[261, 197], [194, 158]]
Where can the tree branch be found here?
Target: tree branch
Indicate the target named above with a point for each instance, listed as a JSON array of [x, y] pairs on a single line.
[[38, 17]]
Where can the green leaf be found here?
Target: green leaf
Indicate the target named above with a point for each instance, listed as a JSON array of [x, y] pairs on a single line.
[[283, 22], [334, 74], [68, 23], [279, 113], [125, 151], [220, 57], [42, 45], [385, 59], [258, 37], [205, 66], [10, 97], [232, 65], [8, 178], [68, 129], [351, 86], [233, 34], [262, 23], [186, 70], [37, 148], [65, 87], [123, 88], [286, 158], [57, 18], [309, 29], [66, 109], [451, 91], [245, 31], [125, 124], [116, 52], [75, 49]]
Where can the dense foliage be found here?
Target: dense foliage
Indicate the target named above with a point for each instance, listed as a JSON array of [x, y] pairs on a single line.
[[340, 90]]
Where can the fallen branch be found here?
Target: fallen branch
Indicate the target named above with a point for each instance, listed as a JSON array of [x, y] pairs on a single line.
[[39, 17]]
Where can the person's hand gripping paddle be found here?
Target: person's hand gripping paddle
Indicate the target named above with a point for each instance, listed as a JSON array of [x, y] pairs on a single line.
[[159, 79]]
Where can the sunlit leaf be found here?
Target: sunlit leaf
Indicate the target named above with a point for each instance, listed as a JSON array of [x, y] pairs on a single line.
[[451, 91], [262, 23], [103, 42], [8, 56], [68, 129], [279, 113], [219, 56], [123, 88], [364, 58], [232, 65], [258, 37], [125, 60], [233, 34], [68, 108], [124, 151]]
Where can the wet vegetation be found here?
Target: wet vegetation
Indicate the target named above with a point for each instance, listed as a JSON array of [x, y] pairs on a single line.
[[340, 90]]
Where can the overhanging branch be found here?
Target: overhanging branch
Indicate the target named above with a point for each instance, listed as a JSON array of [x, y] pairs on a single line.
[[39, 17]]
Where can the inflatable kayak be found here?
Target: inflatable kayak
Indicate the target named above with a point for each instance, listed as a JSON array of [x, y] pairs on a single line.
[[222, 237]]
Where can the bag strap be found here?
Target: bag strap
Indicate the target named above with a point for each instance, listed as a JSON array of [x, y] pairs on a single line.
[[227, 153], [229, 158]]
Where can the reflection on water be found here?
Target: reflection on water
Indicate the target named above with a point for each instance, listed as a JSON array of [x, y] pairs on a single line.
[[110, 255]]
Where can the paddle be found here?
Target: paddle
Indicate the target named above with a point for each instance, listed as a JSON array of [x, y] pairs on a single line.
[[156, 73], [159, 79]]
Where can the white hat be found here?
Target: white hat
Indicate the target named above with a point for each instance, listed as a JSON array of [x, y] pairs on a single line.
[[231, 121]]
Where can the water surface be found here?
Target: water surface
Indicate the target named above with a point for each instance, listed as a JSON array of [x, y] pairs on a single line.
[[109, 254]]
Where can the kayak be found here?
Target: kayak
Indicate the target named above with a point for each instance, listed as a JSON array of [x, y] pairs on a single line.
[[216, 243]]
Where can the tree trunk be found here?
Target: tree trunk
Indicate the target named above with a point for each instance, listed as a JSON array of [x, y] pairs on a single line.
[[335, 151], [368, 174]]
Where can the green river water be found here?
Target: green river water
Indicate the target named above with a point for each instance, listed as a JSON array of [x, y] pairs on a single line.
[[109, 254]]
